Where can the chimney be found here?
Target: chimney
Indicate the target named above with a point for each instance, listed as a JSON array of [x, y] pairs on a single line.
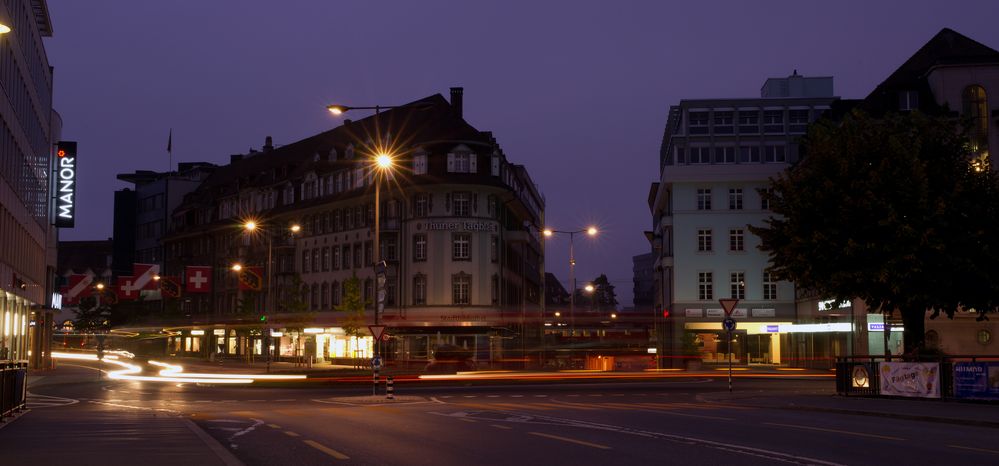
[[268, 144], [456, 99]]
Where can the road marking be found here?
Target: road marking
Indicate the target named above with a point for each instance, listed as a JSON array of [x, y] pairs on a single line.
[[256, 401], [470, 396], [448, 396], [500, 427], [574, 394], [565, 439], [516, 396], [540, 396], [985, 450], [466, 420], [846, 432], [435, 400], [34, 401], [273, 426], [291, 434], [286, 399], [327, 450], [492, 396]]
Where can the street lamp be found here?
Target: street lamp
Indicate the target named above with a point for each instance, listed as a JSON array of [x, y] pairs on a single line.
[[590, 231], [237, 267], [4, 28]]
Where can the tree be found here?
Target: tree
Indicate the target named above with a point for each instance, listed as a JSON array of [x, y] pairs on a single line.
[[352, 304], [890, 211], [602, 298], [91, 317]]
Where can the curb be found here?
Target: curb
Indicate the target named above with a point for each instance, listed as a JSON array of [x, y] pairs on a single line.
[[906, 417], [220, 451]]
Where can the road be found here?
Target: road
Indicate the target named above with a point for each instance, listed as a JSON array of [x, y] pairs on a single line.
[[689, 421]]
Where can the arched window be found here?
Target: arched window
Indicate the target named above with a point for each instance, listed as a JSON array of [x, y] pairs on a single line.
[[314, 301], [975, 106], [335, 293], [325, 289]]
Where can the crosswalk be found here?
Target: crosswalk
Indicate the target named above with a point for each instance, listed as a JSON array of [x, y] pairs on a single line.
[[35, 401]]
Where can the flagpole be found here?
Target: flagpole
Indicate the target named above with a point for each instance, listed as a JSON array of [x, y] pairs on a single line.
[[166, 214]]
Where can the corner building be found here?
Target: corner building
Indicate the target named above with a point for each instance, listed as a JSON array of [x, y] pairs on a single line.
[[464, 269], [28, 129]]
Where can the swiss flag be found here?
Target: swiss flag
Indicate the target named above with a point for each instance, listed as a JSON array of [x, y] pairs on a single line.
[[143, 275], [79, 286], [126, 289], [198, 279]]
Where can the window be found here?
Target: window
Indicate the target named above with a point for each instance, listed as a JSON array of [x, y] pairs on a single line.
[[723, 122], [337, 221], [750, 154], [700, 155], [339, 182], [358, 257], [335, 293], [315, 260], [764, 202], [314, 297], [336, 257], [774, 154], [306, 261], [749, 122], [460, 246], [462, 162], [390, 292], [419, 247], [369, 290], [461, 202], [704, 199], [908, 100], [735, 199], [421, 205], [493, 248], [797, 120], [346, 257], [704, 286], [974, 106], [390, 249], [773, 121], [724, 154], [736, 240], [737, 283], [494, 168], [494, 289], [459, 288], [419, 290], [368, 253], [704, 240], [698, 123], [326, 260], [358, 178], [420, 164], [324, 293], [769, 286]]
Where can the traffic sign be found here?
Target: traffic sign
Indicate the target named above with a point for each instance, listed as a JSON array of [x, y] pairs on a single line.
[[728, 324], [376, 331], [728, 305], [376, 362]]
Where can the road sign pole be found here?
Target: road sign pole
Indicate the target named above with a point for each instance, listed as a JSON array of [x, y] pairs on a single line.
[[730, 361]]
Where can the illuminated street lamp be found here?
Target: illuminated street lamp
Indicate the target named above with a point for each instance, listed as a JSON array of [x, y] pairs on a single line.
[[237, 267], [590, 231], [589, 288], [4, 28]]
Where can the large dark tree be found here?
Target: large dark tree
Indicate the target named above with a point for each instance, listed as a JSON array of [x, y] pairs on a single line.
[[888, 210]]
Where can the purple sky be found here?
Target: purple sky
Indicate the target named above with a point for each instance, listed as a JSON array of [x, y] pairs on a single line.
[[577, 91]]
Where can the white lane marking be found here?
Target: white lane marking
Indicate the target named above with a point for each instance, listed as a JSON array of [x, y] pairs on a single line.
[[516, 396], [135, 407], [540, 396], [327, 450], [845, 432], [470, 396], [232, 438], [45, 401], [492, 396], [448, 396], [570, 440], [435, 400]]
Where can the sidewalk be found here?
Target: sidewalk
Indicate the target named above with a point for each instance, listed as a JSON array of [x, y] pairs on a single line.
[[916, 409], [96, 433]]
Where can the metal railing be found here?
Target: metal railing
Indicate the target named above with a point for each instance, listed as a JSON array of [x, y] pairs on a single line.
[[13, 387]]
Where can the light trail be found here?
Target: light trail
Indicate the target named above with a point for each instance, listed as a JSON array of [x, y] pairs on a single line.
[[178, 370]]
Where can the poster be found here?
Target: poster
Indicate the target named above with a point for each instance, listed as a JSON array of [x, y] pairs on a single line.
[[976, 380], [912, 379]]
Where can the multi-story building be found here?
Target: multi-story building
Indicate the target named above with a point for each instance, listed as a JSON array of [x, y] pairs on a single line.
[[143, 217], [644, 283], [30, 127], [716, 155], [463, 269]]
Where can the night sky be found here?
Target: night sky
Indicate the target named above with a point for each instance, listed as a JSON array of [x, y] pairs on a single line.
[[576, 91]]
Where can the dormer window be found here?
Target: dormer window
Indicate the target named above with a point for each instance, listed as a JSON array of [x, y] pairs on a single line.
[[420, 164], [462, 162], [908, 101]]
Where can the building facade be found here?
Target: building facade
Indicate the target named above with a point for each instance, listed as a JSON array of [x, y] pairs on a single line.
[[458, 228], [716, 155], [29, 130]]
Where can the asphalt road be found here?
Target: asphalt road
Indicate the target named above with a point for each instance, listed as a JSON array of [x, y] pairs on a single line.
[[676, 421]]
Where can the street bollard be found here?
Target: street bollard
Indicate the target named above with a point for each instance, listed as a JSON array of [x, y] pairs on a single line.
[[389, 389], [374, 386]]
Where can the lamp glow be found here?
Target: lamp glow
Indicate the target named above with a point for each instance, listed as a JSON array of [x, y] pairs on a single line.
[[547, 232], [592, 231], [237, 267], [4, 28], [383, 161], [589, 288], [250, 226], [296, 228]]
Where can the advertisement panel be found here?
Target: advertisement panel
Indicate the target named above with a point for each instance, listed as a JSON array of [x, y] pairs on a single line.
[[976, 380], [912, 379]]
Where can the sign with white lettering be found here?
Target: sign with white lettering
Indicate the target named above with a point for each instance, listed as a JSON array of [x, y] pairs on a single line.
[[763, 313], [976, 380], [65, 186], [463, 226], [740, 312], [693, 312], [716, 313]]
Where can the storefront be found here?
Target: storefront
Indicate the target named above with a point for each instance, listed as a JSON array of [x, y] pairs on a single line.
[[764, 343]]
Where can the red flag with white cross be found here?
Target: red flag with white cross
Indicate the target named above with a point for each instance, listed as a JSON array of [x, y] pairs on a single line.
[[125, 287], [144, 276], [198, 279]]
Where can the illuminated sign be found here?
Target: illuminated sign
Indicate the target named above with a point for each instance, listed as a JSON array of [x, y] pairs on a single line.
[[65, 187], [831, 304], [880, 327], [197, 332], [463, 226]]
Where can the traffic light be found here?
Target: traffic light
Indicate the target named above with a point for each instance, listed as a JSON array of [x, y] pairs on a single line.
[[263, 318], [666, 313]]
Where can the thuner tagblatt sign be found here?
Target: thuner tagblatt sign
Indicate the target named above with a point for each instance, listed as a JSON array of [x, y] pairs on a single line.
[[65, 186]]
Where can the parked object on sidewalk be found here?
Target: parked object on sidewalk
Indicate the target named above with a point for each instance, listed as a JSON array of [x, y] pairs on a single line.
[[13, 380]]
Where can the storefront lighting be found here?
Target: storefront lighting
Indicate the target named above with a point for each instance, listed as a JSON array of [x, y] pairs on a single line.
[[195, 333], [313, 331], [276, 334], [219, 332]]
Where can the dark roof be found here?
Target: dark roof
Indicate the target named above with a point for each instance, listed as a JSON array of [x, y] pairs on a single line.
[[429, 123], [79, 256], [948, 47]]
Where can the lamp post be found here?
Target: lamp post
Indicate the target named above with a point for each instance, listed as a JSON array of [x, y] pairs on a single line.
[[590, 231], [250, 227], [4, 29]]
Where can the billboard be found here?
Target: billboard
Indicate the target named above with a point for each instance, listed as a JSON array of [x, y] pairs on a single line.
[[911, 379], [976, 380], [65, 184]]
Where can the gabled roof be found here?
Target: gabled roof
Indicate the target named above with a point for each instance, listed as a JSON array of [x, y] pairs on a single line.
[[948, 47]]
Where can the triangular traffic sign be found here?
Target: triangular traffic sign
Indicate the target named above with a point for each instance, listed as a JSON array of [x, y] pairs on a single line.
[[728, 305], [376, 331]]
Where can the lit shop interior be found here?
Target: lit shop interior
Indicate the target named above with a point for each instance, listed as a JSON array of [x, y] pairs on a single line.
[[768, 343], [322, 344]]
